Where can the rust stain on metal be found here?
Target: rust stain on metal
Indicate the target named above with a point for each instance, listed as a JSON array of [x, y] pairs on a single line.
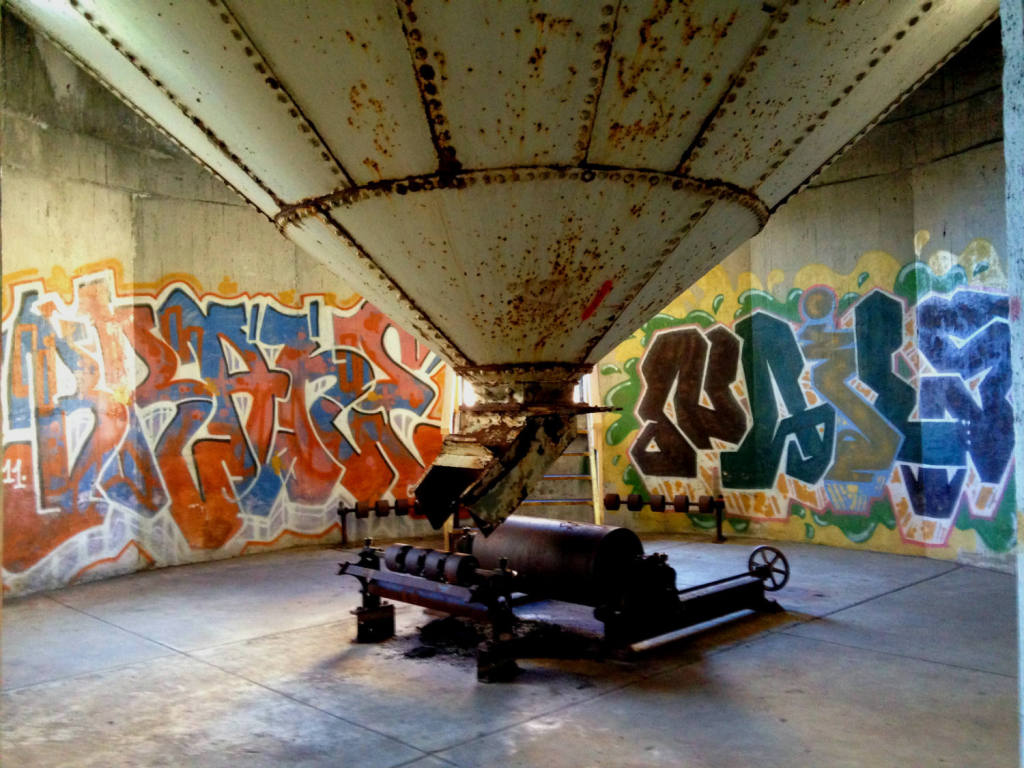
[[294, 111], [848, 89], [592, 214], [425, 327], [738, 81], [811, 122], [524, 420], [720, 29], [548, 22]]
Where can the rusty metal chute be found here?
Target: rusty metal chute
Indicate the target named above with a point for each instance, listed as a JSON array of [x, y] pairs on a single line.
[[517, 183]]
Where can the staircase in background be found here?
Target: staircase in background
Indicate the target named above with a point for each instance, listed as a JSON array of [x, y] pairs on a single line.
[[566, 492]]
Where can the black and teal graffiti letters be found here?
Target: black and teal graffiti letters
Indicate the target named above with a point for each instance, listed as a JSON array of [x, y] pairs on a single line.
[[962, 337], [940, 405], [878, 321], [866, 443], [966, 338], [772, 362], [680, 365]]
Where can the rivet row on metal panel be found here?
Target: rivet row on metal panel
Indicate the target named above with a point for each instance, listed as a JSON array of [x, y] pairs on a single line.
[[426, 73], [599, 70], [779, 17], [715, 189], [86, 67], [888, 110], [260, 66], [419, 323]]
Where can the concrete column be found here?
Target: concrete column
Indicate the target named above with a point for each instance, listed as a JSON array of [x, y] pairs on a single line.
[[1012, 12]]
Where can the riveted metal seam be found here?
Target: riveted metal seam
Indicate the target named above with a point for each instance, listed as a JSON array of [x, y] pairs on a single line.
[[91, 19], [606, 44], [720, 190], [447, 160], [885, 112], [849, 88], [779, 16], [513, 369], [85, 67], [262, 66], [430, 332]]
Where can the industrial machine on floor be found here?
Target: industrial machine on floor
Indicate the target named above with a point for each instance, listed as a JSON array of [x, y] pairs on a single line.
[[527, 560]]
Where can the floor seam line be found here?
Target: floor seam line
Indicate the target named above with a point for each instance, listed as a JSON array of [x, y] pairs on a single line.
[[399, 609], [545, 713], [901, 655], [956, 567], [84, 673], [123, 629], [172, 651], [314, 707], [434, 755]]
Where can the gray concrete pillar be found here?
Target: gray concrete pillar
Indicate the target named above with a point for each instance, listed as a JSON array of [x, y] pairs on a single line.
[[1012, 12]]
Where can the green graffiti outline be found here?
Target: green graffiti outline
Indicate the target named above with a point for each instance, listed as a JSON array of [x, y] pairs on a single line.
[[632, 478], [916, 279], [999, 533], [856, 528], [754, 299]]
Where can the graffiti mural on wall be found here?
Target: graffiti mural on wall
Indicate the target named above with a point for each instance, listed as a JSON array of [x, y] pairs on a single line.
[[178, 423], [852, 409]]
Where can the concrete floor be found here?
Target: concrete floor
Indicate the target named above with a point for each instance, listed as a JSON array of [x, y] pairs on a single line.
[[880, 661]]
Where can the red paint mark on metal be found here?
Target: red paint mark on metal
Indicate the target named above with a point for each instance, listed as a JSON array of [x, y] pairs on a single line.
[[595, 302], [1014, 309]]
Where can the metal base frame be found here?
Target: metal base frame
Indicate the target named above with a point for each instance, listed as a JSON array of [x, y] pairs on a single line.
[[646, 620]]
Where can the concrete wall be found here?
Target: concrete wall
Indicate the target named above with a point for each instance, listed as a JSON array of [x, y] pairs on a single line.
[[844, 378], [179, 382], [1012, 13]]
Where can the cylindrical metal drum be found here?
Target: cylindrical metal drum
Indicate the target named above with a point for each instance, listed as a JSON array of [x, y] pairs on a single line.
[[575, 562]]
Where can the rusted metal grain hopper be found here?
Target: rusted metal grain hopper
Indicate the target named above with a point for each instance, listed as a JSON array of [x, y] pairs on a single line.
[[521, 184]]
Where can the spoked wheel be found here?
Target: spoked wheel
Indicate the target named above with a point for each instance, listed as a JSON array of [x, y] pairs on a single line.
[[770, 566]]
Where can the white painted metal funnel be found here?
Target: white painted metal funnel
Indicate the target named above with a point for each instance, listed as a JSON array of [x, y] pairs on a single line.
[[514, 182]]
